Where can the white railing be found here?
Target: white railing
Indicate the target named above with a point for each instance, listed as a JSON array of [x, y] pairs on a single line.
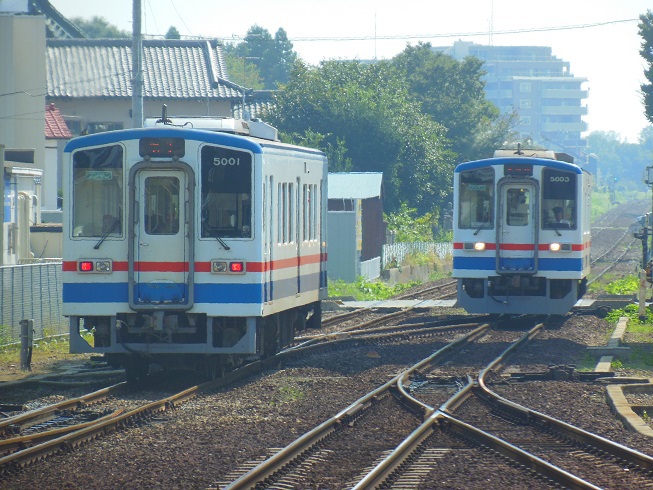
[[396, 253]]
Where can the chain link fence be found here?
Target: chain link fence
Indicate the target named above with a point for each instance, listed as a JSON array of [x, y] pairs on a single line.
[[31, 291]]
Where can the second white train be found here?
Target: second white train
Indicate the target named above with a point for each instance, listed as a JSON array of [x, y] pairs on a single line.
[[521, 233]]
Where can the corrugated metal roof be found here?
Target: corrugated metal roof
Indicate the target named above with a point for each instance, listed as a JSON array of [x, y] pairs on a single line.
[[172, 69], [355, 185], [55, 126]]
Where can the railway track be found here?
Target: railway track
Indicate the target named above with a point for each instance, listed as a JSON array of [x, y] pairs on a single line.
[[63, 426], [330, 449], [614, 248], [290, 465], [442, 290], [559, 452]]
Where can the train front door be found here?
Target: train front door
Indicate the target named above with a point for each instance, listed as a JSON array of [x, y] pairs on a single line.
[[517, 229], [161, 251]]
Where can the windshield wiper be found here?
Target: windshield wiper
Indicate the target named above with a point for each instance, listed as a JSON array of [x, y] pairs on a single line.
[[107, 233], [215, 235]]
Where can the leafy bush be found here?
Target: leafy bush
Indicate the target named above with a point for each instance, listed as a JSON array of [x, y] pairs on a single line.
[[409, 227], [632, 312], [364, 290], [627, 285]]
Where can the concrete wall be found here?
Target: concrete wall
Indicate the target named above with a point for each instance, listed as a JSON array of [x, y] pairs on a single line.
[[22, 77], [117, 110], [409, 273], [342, 256]]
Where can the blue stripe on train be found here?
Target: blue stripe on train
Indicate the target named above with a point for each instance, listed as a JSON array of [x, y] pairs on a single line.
[[489, 264], [204, 293]]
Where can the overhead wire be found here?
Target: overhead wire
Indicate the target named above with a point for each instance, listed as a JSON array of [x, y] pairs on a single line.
[[366, 38], [523, 30]]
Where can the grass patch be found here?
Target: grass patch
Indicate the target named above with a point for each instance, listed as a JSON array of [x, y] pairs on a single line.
[[634, 322], [640, 338], [287, 394], [48, 348], [587, 363], [626, 285], [364, 290], [45, 347]]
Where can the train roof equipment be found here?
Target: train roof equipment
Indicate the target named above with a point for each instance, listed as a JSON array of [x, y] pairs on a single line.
[[253, 128]]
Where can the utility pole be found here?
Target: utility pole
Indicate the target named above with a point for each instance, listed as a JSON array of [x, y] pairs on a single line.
[[137, 66], [646, 274]]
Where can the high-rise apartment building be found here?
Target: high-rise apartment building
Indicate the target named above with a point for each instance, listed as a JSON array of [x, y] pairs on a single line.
[[539, 87]]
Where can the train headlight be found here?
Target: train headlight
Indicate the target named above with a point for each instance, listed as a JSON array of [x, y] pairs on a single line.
[[219, 267], [98, 266], [103, 266], [477, 246], [560, 247]]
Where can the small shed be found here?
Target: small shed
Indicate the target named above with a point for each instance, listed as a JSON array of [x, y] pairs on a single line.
[[356, 230]]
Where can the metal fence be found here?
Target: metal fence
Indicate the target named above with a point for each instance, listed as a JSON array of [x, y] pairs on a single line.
[[395, 254], [31, 291]]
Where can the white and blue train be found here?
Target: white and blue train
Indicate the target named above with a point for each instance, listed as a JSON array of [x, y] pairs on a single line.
[[521, 233], [193, 242]]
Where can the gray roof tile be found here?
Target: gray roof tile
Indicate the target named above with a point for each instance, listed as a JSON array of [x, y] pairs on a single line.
[[179, 68]]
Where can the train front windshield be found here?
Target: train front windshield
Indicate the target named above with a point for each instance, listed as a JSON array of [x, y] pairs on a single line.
[[226, 187], [558, 199], [97, 192], [477, 198]]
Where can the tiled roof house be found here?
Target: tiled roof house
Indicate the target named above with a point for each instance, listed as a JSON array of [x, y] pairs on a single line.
[[55, 126], [90, 80]]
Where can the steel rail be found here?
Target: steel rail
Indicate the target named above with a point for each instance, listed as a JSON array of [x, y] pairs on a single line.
[[350, 314], [379, 476], [46, 413], [567, 430], [292, 452], [16, 443], [382, 472], [77, 437]]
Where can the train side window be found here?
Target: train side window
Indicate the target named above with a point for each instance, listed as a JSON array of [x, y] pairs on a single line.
[[226, 193], [476, 203], [97, 194], [558, 199]]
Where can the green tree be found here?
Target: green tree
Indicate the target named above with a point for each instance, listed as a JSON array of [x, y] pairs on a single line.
[[408, 226], [646, 51], [273, 56], [453, 93], [367, 110], [173, 33], [618, 158], [243, 71], [99, 28]]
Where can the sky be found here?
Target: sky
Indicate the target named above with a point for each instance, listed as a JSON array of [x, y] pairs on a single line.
[[599, 38]]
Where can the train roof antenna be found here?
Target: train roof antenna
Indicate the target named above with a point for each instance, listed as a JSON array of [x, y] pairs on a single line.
[[164, 116]]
